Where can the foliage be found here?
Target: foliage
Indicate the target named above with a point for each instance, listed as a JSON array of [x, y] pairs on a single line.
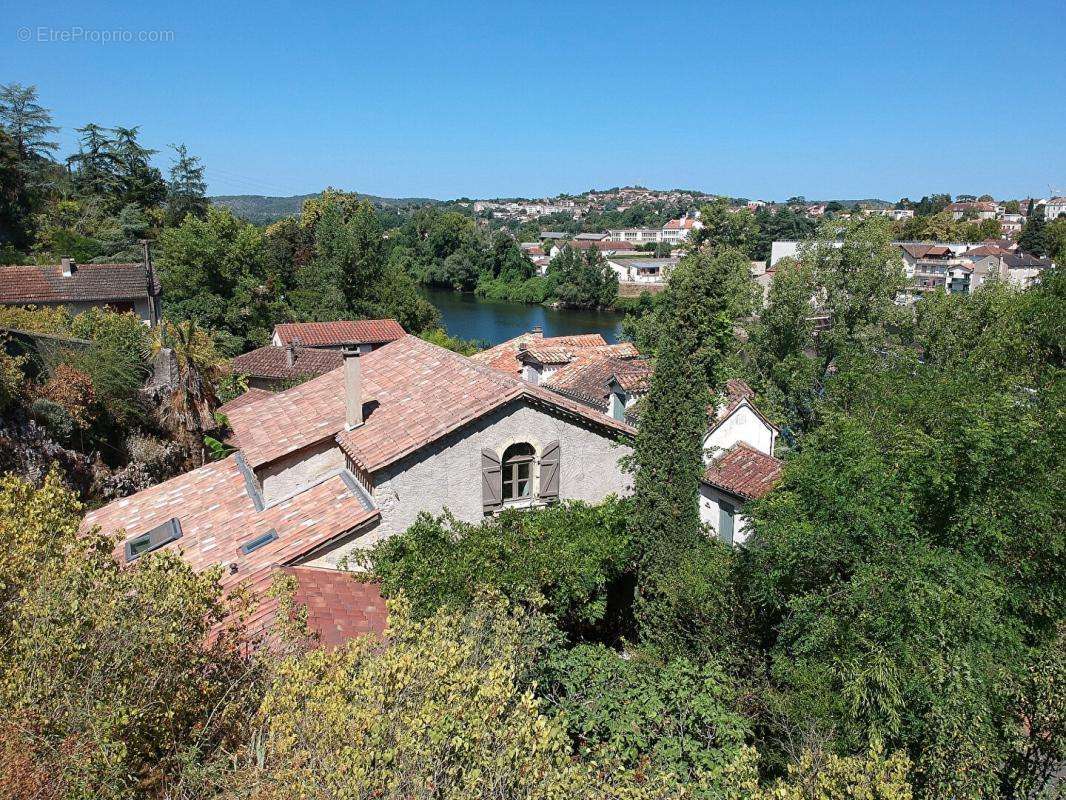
[[439, 337], [192, 400], [109, 665], [582, 281], [678, 717], [11, 378], [440, 712], [834, 777], [574, 555]]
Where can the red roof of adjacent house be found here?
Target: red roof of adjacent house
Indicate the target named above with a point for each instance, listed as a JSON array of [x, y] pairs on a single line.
[[685, 223], [339, 605], [744, 471], [333, 334], [504, 356], [587, 376], [273, 362], [24, 285], [419, 393], [252, 395]]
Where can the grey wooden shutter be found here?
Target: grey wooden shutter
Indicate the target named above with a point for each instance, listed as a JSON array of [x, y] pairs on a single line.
[[549, 471], [491, 480]]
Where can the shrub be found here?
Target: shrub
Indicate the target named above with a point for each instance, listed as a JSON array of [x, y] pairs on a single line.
[[575, 555], [55, 419]]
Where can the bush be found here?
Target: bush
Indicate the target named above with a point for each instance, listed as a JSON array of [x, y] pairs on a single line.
[[575, 555], [680, 717], [55, 419]]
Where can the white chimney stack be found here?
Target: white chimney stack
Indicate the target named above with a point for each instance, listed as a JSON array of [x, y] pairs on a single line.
[[353, 389], [68, 267]]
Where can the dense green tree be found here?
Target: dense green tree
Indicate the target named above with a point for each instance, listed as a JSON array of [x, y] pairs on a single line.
[[1033, 238], [28, 124], [930, 205], [726, 228], [213, 272], [186, 190]]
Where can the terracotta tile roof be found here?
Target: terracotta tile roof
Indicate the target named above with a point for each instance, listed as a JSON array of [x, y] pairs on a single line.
[[89, 282], [250, 396], [420, 392], [333, 334], [218, 513], [339, 606], [273, 362], [744, 471], [685, 223], [987, 250], [547, 355], [586, 378], [504, 356]]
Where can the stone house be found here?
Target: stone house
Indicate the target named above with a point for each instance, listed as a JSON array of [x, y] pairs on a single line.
[[351, 457]]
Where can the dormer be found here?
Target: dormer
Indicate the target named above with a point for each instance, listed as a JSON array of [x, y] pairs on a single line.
[[623, 391]]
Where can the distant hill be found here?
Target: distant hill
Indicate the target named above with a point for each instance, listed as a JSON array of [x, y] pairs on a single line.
[[261, 209]]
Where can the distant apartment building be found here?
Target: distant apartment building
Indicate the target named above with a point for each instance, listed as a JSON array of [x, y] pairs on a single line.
[[1054, 208], [673, 232], [979, 210]]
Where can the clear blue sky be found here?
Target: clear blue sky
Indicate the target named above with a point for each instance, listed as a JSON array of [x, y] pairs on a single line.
[[445, 99]]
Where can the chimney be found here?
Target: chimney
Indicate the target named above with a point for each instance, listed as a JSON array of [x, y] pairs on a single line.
[[68, 267], [538, 331], [353, 389], [290, 353]]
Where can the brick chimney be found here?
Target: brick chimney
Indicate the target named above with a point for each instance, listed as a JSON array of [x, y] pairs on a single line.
[[290, 354], [69, 267], [353, 389]]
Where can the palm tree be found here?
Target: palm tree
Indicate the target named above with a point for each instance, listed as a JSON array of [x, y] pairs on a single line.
[[192, 400]]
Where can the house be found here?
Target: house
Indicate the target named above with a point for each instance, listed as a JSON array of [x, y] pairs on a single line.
[[1024, 270], [740, 464], [636, 235], [677, 230], [1054, 208], [128, 287], [336, 464], [979, 210], [643, 270], [590, 237], [363, 334], [274, 368]]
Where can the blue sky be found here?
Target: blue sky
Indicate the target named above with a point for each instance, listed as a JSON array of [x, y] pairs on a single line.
[[446, 99]]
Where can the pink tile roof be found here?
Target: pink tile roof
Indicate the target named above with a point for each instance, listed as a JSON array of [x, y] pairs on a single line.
[[89, 282], [603, 244], [587, 376], [273, 362], [504, 356], [333, 334], [217, 515], [418, 392], [339, 605], [745, 472], [685, 223], [250, 396]]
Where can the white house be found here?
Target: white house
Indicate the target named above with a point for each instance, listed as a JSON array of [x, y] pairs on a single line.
[[739, 454], [1054, 208]]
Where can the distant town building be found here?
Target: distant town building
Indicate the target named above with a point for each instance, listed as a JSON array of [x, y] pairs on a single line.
[[1054, 208]]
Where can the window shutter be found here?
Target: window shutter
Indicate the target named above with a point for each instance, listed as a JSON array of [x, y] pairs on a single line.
[[491, 480], [549, 471]]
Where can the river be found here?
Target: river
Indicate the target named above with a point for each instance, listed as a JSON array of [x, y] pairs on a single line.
[[471, 317]]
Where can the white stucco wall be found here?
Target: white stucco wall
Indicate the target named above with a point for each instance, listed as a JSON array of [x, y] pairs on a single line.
[[285, 476], [710, 508], [743, 425], [447, 473]]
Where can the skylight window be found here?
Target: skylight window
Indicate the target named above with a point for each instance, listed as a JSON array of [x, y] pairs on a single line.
[[153, 539], [259, 541]]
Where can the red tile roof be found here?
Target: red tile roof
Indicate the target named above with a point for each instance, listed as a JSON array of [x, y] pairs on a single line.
[[339, 605], [250, 396], [587, 376], [504, 356], [420, 392], [686, 223], [273, 362], [333, 334], [89, 282], [744, 471], [218, 514]]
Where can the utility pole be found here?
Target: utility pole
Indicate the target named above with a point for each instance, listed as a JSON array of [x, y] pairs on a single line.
[[149, 273]]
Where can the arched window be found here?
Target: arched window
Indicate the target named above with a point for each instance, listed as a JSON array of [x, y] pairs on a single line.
[[518, 471]]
